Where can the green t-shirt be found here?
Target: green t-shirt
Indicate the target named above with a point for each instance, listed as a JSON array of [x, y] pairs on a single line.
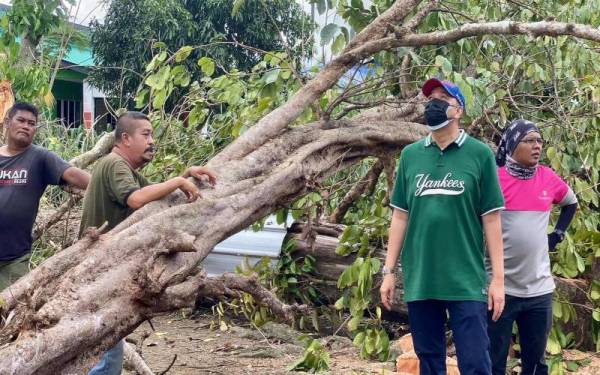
[[112, 182], [445, 194]]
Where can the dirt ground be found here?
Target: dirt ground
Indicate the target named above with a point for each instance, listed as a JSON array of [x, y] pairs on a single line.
[[241, 349], [195, 346]]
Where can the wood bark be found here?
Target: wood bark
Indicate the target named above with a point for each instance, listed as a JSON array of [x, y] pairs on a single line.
[[65, 313], [330, 265]]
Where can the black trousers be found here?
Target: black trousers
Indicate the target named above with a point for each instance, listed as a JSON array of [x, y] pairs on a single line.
[[533, 316]]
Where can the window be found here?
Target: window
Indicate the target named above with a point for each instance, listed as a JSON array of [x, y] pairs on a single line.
[[69, 112]]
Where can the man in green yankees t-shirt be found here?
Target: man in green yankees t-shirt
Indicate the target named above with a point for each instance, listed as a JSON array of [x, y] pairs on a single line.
[[445, 199], [117, 189]]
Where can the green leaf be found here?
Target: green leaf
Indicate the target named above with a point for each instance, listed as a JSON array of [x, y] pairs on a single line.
[[572, 366], [375, 265], [141, 98], [359, 339], [271, 75], [353, 323], [197, 115], [328, 32], [553, 347], [338, 44], [159, 99], [237, 4], [183, 53], [339, 304], [158, 80], [181, 76], [286, 73], [207, 65], [159, 45], [156, 61], [557, 309], [445, 64]]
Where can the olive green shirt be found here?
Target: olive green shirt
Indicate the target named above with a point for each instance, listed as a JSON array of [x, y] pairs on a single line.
[[112, 182]]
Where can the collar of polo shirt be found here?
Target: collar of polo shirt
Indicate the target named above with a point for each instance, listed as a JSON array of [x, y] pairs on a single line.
[[460, 140]]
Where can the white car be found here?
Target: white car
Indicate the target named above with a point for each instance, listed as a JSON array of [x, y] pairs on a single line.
[[254, 245]]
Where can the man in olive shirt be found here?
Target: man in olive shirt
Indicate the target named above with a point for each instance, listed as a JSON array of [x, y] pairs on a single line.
[[446, 198], [117, 189]]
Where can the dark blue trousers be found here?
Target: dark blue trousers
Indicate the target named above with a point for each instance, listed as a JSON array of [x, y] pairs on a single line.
[[468, 321], [534, 320]]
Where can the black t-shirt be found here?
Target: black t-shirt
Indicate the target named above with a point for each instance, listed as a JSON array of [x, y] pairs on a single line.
[[23, 179]]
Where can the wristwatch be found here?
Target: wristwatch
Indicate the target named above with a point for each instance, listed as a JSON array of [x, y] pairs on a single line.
[[387, 271], [560, 233]]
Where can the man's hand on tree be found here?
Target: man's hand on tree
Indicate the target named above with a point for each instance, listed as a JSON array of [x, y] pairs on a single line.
[[199, 174], [190, 190]]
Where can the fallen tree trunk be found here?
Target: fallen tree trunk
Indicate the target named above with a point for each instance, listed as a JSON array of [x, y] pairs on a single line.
[[78, 303], [331, 265], [87, 297]]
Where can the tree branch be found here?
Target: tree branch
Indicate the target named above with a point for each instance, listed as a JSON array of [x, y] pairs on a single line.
[[416, 20], [101, 148], [133, 361], [365, 185], [274, 122], [535, 29]]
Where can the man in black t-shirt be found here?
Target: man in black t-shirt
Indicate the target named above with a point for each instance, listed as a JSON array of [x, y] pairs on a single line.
[[25, 171]]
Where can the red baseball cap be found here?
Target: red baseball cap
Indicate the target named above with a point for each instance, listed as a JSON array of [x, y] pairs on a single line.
[[452, 89]]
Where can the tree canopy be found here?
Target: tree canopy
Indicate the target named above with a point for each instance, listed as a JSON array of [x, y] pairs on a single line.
[[123, 43]]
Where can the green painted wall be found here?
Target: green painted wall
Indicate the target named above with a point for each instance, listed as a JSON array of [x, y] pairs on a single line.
[[67, 90]]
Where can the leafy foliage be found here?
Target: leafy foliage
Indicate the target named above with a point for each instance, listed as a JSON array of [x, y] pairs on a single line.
[[33, 19], [29, 21], [357, 282], [315, 358], [502, 79], [214, 29]]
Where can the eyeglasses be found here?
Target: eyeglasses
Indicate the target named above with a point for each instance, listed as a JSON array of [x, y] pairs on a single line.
[[532, 141]]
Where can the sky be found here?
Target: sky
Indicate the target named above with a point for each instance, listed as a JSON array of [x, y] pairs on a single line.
[[97, 8]]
